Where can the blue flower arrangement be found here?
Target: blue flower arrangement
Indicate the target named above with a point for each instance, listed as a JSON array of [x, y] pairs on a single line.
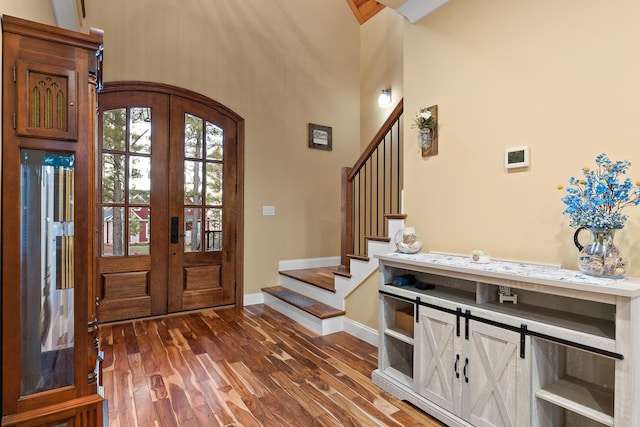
[[597, 200]]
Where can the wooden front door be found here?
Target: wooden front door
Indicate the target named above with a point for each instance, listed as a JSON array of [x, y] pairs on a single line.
[[168, 204]]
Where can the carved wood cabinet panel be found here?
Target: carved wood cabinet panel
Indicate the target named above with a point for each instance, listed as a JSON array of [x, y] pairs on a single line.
[[46, 101], [50, 363]]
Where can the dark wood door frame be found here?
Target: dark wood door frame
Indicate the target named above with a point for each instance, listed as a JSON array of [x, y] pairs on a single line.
[[231, 116]]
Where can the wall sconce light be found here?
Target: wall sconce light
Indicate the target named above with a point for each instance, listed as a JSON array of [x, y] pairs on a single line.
[[385, 98]]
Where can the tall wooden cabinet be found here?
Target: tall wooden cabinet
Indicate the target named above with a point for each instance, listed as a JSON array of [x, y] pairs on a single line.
[[49, 331]]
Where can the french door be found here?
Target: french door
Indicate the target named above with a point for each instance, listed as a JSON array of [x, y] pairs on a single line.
[[168, 203]]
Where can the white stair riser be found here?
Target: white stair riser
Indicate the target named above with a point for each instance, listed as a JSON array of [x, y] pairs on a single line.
[[313, 292], [309, 321], [359, 270], [297, 264]]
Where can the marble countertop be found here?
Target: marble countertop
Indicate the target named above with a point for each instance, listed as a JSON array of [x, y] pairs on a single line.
[[518, 271]]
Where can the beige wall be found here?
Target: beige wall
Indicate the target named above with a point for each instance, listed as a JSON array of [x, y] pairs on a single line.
[[33, 10], [381, 51], [280, 65], [560, 77], [381, 47]]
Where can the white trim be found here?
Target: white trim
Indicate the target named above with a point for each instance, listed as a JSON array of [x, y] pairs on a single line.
[[363, 332], [297, 264], [319, 326], [253, 299], [65, 14], [415, 10]]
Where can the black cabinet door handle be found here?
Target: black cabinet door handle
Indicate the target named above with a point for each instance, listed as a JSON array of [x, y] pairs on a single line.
[[464, 370], [455, 366]]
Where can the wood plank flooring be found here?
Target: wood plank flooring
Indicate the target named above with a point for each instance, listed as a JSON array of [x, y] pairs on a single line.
[[248, 367]]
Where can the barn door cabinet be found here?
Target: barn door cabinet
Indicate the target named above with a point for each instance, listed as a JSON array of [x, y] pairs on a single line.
[[50, 363], [471, 369], [564, 355]]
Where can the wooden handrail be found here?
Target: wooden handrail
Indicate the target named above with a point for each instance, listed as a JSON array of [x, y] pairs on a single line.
[[349, 218], [386, 126]]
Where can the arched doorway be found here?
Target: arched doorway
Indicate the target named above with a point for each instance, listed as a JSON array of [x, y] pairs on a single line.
[[169, 201]]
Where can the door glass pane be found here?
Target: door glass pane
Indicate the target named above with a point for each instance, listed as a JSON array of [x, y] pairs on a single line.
[[214, 142], [113, 178], [46, 271], [139, 179], [139, 235], [213, 230], [126, 181], [114, 129], [192, 230], [140, 130], [192, 137], [112, 231], [193, 182], [214, 184]]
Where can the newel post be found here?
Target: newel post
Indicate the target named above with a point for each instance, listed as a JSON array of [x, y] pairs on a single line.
[[346, 219]]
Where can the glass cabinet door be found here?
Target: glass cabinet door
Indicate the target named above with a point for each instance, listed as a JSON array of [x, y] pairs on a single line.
[[47, 270]]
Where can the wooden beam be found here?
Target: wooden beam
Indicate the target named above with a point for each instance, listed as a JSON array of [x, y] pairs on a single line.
[[365, 9]]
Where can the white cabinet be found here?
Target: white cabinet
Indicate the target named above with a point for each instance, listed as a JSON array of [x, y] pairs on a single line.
[[395, 346], [439, 367], [474, 371], [494, 376], [563, 356]]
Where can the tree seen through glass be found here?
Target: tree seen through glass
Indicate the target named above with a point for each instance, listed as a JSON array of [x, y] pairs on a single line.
[[203, 183], [126, 180]]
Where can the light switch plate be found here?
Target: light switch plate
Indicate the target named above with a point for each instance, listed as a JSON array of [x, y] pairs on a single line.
[[268, 210]]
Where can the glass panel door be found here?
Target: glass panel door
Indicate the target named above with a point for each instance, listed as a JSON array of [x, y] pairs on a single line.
[[202, 204], [132, 214], [168, 205], [47, 270]]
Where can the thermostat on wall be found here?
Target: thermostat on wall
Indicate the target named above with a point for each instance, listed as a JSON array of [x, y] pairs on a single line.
[[516, 157]]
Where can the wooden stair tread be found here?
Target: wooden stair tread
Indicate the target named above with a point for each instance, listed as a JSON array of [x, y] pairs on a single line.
[[359, 257], [395, 216], [311, 306], [378, 238], [322, 277]]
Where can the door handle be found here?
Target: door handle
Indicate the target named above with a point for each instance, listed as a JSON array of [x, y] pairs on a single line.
[[464, 370], [455, 366], [174, 229]]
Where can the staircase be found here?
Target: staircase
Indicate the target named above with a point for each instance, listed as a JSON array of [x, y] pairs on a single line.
[[313, 292], [314, 296]]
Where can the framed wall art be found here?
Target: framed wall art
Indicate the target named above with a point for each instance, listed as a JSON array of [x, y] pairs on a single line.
[[320, 137]]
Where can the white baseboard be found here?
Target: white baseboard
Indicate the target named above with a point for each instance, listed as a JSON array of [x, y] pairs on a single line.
[[363, 332], [296, 264], [253, 299]]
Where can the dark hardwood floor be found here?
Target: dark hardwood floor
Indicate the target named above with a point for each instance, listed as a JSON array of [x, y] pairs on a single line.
[[249, 367]]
